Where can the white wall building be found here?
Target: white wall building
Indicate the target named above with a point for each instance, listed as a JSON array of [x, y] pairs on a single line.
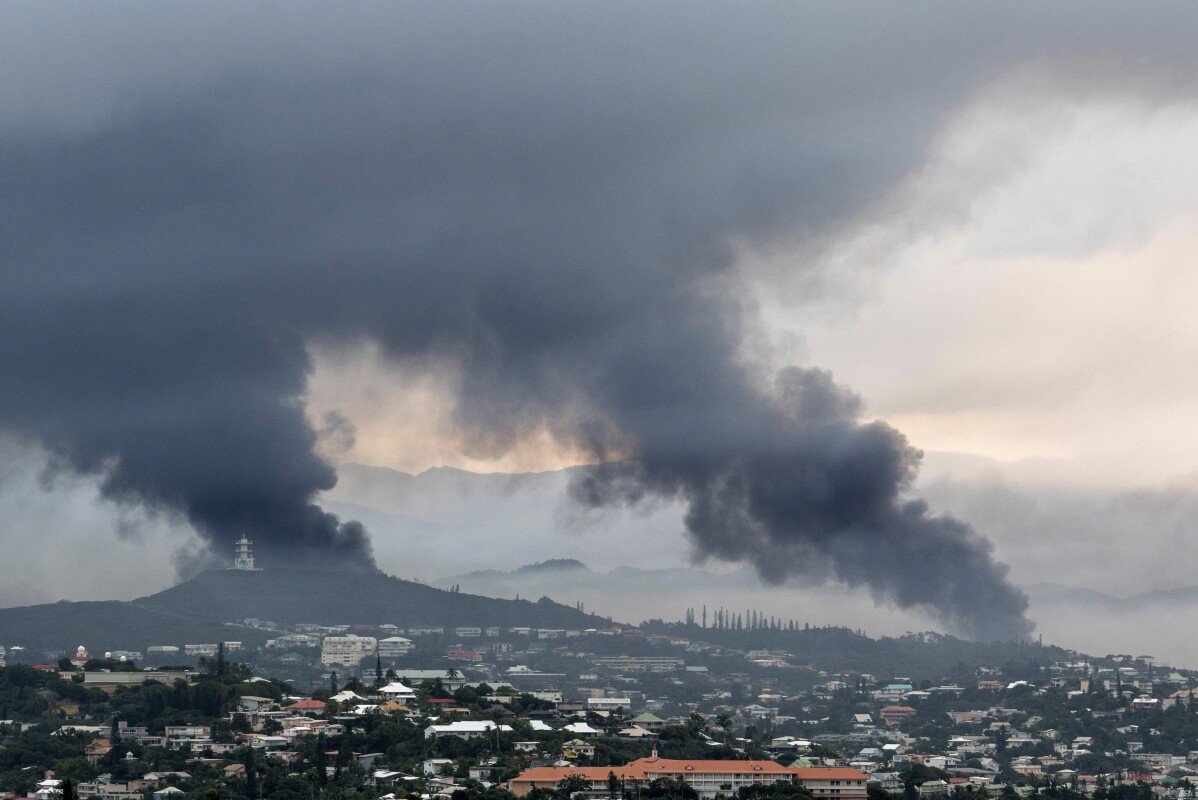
[[395, 647], [608, 703], [467, 729], [346, 650]]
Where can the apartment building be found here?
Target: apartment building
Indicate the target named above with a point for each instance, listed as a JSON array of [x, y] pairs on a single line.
[[395, 647], [346, 651]]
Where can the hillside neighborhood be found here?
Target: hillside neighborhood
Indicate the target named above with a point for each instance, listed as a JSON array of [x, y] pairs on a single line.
[[624, 711]]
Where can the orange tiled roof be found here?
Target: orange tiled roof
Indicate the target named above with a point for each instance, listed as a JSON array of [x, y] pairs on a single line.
[[650, 768], [682, 765], [550, 775], [307, 704]]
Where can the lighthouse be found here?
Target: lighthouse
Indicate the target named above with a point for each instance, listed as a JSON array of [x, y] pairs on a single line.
[[243, 557]]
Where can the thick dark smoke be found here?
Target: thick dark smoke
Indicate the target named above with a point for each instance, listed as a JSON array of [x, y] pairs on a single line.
[[811, 491], [547, 198]]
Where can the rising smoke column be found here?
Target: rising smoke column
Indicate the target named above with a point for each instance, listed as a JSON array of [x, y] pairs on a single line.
[[816, 494], [548, 204]]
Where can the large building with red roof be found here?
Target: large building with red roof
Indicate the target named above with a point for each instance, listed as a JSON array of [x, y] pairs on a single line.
[[707, 777]]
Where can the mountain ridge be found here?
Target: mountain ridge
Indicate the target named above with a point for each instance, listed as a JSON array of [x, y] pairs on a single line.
[[203, 608]]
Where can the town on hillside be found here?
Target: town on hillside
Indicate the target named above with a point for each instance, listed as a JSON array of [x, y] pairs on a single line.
[[709, 707]]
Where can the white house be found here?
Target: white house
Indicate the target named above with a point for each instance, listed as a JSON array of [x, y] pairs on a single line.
[[466, 729], [397, 691]]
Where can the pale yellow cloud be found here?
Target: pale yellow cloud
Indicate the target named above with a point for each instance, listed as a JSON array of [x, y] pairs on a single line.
[[403, 415], [1054, 315]]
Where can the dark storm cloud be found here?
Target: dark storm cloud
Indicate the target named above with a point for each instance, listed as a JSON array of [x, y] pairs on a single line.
[[546, 197]]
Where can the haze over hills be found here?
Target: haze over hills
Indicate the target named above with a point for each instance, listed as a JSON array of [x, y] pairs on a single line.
[[498, 522], [451, 526]]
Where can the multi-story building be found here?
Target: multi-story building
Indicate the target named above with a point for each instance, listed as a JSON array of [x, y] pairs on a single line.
[[425, 631], [200, 649], [639, 663], [708, 778], [395, 647], [346, 650], [187, 732], [893, 715], [840, 783], [608, 703]]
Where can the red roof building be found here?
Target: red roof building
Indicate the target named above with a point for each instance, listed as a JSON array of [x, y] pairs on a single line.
[[708, 777]]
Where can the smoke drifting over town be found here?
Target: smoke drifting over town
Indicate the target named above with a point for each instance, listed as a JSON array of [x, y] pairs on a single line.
[[547, 205]]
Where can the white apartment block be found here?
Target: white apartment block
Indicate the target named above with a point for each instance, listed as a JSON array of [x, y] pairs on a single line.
[[395, 647], [346, 650]]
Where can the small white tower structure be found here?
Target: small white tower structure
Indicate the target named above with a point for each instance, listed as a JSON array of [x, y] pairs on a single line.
[[243, 559]]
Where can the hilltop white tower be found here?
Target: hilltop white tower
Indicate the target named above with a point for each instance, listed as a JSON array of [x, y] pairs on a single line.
[[243, 557]]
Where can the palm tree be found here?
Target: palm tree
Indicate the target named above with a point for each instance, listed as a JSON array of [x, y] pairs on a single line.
[[725, 722]]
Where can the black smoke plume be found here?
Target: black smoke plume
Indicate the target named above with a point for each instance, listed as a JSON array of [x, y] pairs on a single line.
[[546, 198]]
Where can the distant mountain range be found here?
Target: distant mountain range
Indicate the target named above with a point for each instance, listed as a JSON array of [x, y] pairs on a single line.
[[572, 574], [197, 610], [445, 521], [1060, 594]]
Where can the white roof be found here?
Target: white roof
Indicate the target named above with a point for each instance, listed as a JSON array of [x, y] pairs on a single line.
[[580, 727], [346, 696], [395, 687], [636, 731], [539, 725]]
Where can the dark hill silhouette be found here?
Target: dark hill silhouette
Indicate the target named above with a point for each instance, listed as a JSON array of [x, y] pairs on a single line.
[[297, 595], [199, 610]]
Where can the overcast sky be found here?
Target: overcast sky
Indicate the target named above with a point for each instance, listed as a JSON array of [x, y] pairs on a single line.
[[520, 237]]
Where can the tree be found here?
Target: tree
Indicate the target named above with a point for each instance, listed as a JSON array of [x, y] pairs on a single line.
[[68, 789], [344, 756], [320, 761], [251, 776], [571, 784], [725, 722]]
